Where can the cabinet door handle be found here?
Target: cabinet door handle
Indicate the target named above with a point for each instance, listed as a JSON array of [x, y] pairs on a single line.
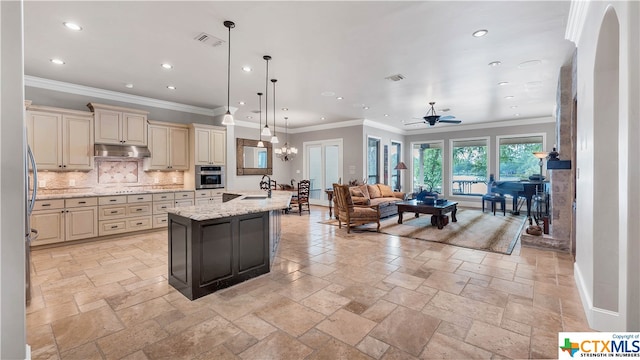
[[64, 165], [140, 198], [138, 209], [82, 202], [165, 220], [112, 200], [59, 165], [114, 212], [114, 226], [163, 207], [138, 223], [46, 205]]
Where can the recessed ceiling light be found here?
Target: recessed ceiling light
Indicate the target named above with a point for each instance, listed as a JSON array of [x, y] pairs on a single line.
[[72, 26], [480, 33], [285, 109], [516, 114], [129, 86], [327, 93], [503, 83], [167, 66], [513, 106], [241, 102], [171, 87], [365, 107], [249, 117], [57, 61], [322, 118], [528, 64], [494, 63], [509, 97], [339, 98], [386, 115], [246, 68]]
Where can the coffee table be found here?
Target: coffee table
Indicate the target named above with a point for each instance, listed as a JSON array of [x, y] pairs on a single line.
[[419, 207]]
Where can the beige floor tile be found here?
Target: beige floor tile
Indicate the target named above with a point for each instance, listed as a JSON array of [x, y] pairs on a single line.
[[236, 307], [394, 353], [85, 352], [406, 281], [372, 347], [97, 293], [325, 302], [512, 287], [138, 355], [318, 269], [346, 326], [131, 339], [452, 330], [485, 294], [83, 328], [193, 341], [500, 341], [334, 349], [445, 347], [303, 287], [144, 311], [50, 314], [290, 316], [176, 321], [40, 336], [255, 326], [487, 270], [407, 298], [533, 316], [314, 338], [473, 309], [137, 296], [379, 310], [406, 329], [363, 294], [446, 281], [278, 345], [240, 342]]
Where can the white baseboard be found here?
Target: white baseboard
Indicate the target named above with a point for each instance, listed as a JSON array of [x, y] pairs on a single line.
[[599, 319], [28, 352]]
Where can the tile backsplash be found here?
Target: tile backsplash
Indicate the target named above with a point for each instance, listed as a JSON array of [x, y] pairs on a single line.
[[109, 174]]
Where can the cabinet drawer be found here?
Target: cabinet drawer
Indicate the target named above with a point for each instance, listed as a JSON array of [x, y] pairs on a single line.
[[79, 202], [139, 209], [112, 212], [160, 207], [160, 220], [183, 203], [139, 223], [139, 198], [48, 204], [184, 195], [203, 193], [112, 227], [108, 200], [163, 196]]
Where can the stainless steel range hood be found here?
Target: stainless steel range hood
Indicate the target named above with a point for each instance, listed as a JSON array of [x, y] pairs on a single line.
[[128, 151]]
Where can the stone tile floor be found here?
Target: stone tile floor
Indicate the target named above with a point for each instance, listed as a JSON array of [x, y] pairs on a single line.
[[330, 295]]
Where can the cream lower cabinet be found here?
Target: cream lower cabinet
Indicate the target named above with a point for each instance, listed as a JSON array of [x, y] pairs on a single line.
[[60, 139], [206, 197], [183, 198], [61, 220], [161, 202], [169, 146], [124, 213]]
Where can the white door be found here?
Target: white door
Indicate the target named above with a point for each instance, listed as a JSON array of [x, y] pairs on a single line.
[[323, 167]]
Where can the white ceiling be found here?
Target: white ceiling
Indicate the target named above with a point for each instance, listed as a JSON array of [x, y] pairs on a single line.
[[346, 48]]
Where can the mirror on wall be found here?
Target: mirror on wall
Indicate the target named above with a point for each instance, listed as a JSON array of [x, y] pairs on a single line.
[[253, 160]]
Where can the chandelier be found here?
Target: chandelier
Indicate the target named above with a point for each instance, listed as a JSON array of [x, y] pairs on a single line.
[[286, 152]]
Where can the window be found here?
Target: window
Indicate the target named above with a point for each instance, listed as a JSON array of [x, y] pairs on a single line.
[[373, 160], [427, 166], [396, 152], [262, 159], [516, 161], [469, 167]]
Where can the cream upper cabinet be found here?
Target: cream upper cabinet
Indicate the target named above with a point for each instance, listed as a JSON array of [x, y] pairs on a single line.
[[169, 146], [119, 126], [210, 145], [60, 139]]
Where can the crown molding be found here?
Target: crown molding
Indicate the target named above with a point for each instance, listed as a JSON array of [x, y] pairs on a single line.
[[496, 124], [70, 88], [384, 127], [576, 20], [330, 126]]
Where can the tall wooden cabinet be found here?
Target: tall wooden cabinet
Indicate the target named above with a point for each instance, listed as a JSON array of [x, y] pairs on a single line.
[[119, 126], [169, 146], [209, 144], [61, 139]]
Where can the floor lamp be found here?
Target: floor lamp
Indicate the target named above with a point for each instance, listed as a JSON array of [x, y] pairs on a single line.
[[401, 166]]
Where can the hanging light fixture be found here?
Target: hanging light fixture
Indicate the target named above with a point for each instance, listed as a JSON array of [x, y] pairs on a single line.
[[266, 131], [286, 152], [274, 139], [260, 143], [228, 118]]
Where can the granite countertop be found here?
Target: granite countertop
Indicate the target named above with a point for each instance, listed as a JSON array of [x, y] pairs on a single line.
[[104, 192], [248, 202]]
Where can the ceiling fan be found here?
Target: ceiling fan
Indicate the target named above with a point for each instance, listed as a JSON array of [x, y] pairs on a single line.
[[432, 118]]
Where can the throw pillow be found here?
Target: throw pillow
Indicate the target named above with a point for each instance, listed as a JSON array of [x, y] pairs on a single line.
[[355, 191], [385, 190], [374, 191], [365, 191]]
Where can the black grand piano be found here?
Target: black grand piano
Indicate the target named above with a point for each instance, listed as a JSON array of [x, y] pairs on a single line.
[[520, 189]]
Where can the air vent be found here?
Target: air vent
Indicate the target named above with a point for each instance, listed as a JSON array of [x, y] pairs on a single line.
[[396, 77], [209, 39]]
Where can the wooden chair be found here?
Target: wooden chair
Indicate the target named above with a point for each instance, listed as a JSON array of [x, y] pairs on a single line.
[[350, 214], [303, 196]]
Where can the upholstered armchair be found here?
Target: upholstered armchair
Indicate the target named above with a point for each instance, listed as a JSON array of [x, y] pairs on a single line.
[[350, 214]]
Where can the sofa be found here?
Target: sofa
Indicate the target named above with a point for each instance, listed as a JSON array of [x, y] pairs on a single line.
[[377, 194]]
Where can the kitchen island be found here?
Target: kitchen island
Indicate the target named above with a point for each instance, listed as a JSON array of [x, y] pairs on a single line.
[[214, 246]]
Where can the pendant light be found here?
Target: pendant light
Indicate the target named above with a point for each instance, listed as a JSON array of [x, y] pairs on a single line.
[[286, 153], [228, 118], [274, 139], [260, 143], [266, 131]]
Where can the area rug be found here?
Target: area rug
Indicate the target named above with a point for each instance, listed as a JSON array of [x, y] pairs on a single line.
[[474, 229]]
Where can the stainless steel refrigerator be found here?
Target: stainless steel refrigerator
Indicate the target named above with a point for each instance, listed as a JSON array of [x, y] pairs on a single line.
[[30, 197]]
